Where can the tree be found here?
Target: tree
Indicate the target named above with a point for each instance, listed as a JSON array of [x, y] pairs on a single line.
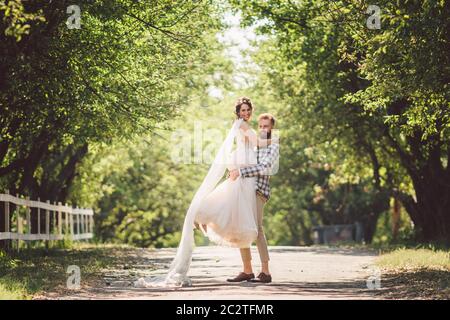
[[127, 69], [375, 98], [64, 89], [141, 188]]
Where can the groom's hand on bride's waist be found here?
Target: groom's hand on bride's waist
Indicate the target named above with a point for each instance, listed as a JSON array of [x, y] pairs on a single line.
[[234, 174]]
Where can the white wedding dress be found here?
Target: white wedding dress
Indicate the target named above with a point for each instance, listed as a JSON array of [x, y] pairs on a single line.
[[229, 211], [228, 208]]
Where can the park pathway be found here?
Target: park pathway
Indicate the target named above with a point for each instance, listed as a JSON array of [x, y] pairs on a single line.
[[298, 273]]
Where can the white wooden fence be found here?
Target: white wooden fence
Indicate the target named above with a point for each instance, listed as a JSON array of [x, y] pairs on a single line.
[[54, 221]]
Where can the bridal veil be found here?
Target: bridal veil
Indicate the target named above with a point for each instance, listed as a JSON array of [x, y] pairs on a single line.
[[177, 274]]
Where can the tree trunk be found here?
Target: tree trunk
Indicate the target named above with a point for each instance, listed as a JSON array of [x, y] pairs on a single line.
[[430, 212], [395, 219], [58, 187], [431, 181]]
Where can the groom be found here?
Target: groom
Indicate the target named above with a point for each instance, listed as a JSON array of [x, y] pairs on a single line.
[[266, 158]]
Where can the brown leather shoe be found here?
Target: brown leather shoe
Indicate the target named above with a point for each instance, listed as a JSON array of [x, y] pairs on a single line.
[[263, 278], [242, 277]]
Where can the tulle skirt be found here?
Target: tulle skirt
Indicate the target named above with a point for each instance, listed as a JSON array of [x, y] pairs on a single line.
[[229, 212]]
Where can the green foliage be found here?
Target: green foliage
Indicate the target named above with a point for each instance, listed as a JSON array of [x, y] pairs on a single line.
[[87, 114], [131, 66], [16, 20], [373, 104], [140, 190], [384, 236], [143, 203]]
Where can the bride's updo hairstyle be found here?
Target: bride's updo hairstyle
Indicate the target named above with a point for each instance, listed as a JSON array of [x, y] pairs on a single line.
[[240, 102]]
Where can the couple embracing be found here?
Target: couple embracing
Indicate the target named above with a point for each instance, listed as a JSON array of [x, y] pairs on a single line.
[[230, 213]]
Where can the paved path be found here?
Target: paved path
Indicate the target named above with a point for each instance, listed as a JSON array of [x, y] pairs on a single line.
[[298, 273]]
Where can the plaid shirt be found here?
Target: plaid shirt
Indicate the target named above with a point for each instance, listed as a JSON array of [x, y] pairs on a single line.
[[266, 159]]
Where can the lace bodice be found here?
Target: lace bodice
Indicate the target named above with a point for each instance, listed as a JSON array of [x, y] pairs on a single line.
[[245, 153]]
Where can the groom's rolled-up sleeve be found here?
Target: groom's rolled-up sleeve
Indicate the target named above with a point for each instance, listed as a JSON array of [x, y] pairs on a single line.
[[262, 167]]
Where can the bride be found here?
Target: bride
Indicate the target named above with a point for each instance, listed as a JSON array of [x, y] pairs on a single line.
[[226, 212]]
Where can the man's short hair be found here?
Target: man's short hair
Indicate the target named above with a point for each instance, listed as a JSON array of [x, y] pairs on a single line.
[[267, 116]]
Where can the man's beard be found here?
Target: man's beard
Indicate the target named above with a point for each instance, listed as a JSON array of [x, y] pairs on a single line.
[[265, 134]]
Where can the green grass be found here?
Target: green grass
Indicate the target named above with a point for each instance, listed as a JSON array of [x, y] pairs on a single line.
[[410, 271], [32, 272], [412, 259], [12, 291], [421, 273]]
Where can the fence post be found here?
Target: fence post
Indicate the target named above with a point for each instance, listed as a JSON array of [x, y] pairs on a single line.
[[7, 227], [72, 228], [28, 217], [87, 223], [66, 221], [19, 223], [39, 217], [47, 225], [54, 220], [83, 223], [59, 219], [7, 243], [27, 208], [78, 223]]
